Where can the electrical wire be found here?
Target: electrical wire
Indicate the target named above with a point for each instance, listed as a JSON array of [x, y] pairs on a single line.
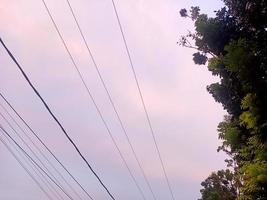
[[56, 120], [46, 147], [35, 155], [25, 168], [142, 99], [39, 150], [38, 173], [35, 163], [110, 99], [92, 99]]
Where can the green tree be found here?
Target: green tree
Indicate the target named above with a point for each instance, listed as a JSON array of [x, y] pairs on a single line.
[[219, 186], [233, 46]]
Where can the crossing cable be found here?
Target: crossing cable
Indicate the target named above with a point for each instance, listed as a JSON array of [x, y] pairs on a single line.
[[39, 150], [110, 99], [142, 99], [93, 100], [38, 173], [25, 168], [35, 155], [38, 168], [46, 147], [35, 163], [57, 121]]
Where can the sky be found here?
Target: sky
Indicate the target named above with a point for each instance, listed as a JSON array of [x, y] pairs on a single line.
[[183, 115]]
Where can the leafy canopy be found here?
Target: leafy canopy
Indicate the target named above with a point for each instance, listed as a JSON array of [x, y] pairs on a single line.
[[233, 46]]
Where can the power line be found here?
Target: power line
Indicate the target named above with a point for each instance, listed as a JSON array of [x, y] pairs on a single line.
[[35, 155], [142, 99], [110, 99], [46, 147], [92, 98], [34, 168], [25, 168], [25, 143], [35, 163], [56, 120], [39, 150], [38, 173]]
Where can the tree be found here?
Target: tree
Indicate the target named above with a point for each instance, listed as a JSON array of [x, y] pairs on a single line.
[[233, 44], [219, 186]]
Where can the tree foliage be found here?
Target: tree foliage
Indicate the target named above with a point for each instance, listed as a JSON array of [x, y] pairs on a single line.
[[219, 186], [233, 46]]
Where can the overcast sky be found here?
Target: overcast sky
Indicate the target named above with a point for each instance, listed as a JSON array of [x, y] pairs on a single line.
[[184, 116]]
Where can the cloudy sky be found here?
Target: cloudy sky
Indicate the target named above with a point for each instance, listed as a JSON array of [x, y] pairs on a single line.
[[184, 116]]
